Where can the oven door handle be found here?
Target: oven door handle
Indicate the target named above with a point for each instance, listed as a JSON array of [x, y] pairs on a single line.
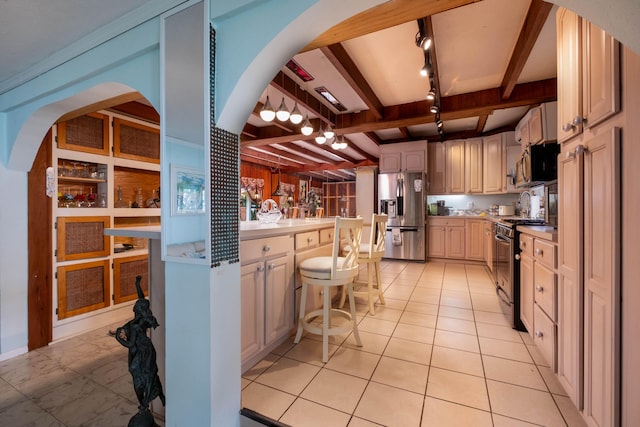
[[501, 238], [498, 289]]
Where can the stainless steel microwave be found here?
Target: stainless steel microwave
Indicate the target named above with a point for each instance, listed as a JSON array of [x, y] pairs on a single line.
[[537, 164]]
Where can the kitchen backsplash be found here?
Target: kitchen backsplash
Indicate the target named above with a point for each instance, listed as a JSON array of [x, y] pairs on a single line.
[[482, 202]]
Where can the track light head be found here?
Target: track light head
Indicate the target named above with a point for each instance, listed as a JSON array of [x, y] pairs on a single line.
[[423, 41], [431, 95], [434, 109]]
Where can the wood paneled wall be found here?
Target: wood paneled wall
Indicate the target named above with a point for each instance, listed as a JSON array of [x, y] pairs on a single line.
[[248, 170]]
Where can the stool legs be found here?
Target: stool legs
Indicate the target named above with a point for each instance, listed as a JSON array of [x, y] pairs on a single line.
[[303, 303], [352, 310]]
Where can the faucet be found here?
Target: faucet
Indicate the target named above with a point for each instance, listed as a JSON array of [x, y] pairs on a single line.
[[524, 212]]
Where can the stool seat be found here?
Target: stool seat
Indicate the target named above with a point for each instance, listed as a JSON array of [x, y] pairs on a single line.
[[329, 272]]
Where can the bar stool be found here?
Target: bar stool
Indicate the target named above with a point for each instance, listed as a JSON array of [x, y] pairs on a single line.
[[319, 212], [371, 254], [329, 272]]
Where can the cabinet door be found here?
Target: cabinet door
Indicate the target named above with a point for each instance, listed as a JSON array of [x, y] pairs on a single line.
[[390, 162], [455, 242], [279, 298], [413, 161], [473, 166], [569, 74], [490, 244], [526, 292], [494, 180], [474, 231], [600, 74], [455, 167], [252, 309], [437, 237], [536, 133], [436, 171], [601, 281]]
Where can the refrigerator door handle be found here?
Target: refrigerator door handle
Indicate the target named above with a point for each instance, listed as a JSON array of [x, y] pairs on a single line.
[[400, 196]]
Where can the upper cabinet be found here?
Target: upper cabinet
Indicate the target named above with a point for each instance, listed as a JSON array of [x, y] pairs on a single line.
[[436, 170], [404, 156], [455, 172], [588, 75], [495, 164], [539, 125], [473, 166]]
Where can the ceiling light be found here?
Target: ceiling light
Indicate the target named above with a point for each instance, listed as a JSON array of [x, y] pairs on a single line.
[[328, 132], [439, 124], [336, 145], [423, 42], [320, 138], [434, 109], [296, 115], [306, 128], [267, 113], [431, 95], [343, 143], [283, 112]]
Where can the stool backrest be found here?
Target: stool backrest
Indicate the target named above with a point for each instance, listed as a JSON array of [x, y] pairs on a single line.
[[378, 235], [348, 236]]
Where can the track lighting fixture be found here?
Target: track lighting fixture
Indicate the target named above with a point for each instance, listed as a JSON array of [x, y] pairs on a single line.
[[296, 115], [267, 113], [423, 41], [434, 109], [431, 95], [306, 128], [283, 112], [439, 124]]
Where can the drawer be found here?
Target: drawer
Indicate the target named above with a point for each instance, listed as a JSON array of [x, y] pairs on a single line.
[[443, 221], [545, 289], [326, 236], [544, 336], [307, 240], [251, 250], [526, 244], [545, 253]]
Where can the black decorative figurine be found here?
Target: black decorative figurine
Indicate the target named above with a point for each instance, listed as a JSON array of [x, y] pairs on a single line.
[[142, 359]]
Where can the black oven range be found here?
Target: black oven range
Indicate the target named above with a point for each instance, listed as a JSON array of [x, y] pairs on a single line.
[[507, 267]]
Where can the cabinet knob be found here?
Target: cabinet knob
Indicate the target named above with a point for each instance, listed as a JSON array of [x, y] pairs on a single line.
[[567, 127], [539, 334], [309, 239], [539, 251], [260, 268], [266, 248], [523, 245], [539, 288], [272, 266], [517, 257], [578, 120]]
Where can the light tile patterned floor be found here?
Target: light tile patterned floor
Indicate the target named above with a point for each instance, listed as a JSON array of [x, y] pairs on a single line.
[[439, 353]]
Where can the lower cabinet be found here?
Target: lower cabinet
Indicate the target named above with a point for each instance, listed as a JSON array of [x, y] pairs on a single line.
[[267, 296], [474, 239], [447, 238], [489, 243]]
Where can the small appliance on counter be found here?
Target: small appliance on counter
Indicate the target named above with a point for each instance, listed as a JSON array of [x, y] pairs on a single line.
[[506, 210]]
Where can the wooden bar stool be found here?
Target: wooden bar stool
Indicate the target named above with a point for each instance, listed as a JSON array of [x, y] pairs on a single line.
[[371, 254], [330, 271]]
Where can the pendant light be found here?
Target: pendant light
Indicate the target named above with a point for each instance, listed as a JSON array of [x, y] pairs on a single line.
[[335, 145], [267, 113], [328, 132], [283, 112], [306, 128], [279, 190], [296, 115], [320, 138]]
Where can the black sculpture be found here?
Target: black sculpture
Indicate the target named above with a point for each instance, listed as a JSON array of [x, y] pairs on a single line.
[[142, 359]]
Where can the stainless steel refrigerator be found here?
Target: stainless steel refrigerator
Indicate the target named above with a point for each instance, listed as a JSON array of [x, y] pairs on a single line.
[[403, 197]]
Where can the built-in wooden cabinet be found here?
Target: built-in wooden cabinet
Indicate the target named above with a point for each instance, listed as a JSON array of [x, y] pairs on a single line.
[[446, 237], [494, 162], [436, 173], [538, 125], [267, 294], [489, 244], [474, 239], [454, 168], [588, 74], [105, 174], [473, 166], [339, 198], [403, 157]]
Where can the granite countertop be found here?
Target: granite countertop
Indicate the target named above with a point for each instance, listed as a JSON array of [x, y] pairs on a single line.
[[255, 229], [542, 231]]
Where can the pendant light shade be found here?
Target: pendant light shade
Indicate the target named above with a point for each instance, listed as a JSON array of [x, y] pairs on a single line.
[[279, 192], [296, 115], [320, 138], [328, 132], [267, 113], [306, 128], [283, 112], [335, 145]]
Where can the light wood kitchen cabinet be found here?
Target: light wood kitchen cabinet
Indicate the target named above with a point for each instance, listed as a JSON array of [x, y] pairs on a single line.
[[494, 164], [437, 168], [489, 244], [455, 173], [588, 285], [526, 291], [407, 157], [267, 294], [588, 74], [538, 125], [390, 162], [447, 238], [474, 239], [473, 166]]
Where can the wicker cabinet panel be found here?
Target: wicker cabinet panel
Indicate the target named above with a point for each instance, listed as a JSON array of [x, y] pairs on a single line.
[[82, 237], [136, 141], [125, 271], [82, 288], [88, 133]]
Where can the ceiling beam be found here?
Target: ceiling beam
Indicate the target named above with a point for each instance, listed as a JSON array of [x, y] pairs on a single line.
[[453, 107], [340, 59], [287, 156], [360, 151], [534, 21], [482, 121], [386, 15], [373, 137]]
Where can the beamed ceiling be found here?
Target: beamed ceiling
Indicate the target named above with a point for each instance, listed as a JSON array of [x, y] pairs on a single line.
[[491, 61]]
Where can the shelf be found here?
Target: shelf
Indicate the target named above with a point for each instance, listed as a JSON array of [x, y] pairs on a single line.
[[81, 180]]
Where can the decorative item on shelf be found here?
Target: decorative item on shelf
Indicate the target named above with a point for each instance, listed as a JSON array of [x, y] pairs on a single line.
[[270, 213], [312, 202], [120, 203], [154, 200], [138, 198]]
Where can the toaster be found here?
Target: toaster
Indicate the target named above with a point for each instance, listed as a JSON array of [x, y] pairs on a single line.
[[504, 210]]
